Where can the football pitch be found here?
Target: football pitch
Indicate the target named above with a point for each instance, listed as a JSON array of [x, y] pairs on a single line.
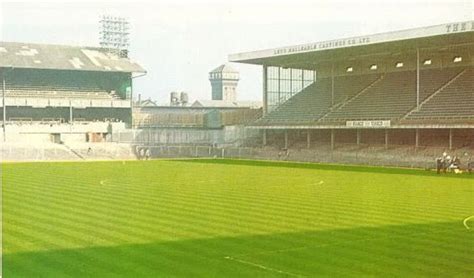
[[234, 218]]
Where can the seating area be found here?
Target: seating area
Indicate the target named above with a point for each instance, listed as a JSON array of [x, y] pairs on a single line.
[[240, 116], [169, 118], [346, 87], [306, 106], [434, 79], [390, 96], [373, 155], [48, 151], [102, 150], [454, 101], [36, 93], [316, 100], [34, 151], [51, 84]]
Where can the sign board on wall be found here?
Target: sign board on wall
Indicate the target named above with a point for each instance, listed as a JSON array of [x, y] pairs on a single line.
[[368, 124], [424, 32]]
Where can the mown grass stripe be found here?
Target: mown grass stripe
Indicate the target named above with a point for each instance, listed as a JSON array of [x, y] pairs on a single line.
[[400, 209], [182, 218]]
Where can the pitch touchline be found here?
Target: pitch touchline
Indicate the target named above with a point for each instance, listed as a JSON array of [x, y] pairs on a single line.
[[294, 249], [263, 267], [466, 220], [304, 247], [318, 246], [335, 244]]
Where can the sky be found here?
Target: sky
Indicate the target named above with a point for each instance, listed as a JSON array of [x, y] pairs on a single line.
[[178, 42]]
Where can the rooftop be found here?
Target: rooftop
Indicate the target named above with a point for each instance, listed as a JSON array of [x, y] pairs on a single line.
[[63, 57], [307, 55], [227, 104], [224, 68]]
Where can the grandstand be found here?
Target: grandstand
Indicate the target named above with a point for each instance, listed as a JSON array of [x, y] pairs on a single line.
[[202, 117], [404, 87], [64, 84], [203, 125]]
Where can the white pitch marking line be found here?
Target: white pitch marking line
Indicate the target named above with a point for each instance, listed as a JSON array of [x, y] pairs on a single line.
[[290, 249], [323, 245], [304, 247], [466, 220], [263, 267]]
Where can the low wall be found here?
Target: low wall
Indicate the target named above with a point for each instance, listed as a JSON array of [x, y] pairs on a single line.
[[373, 156], [35, 132]]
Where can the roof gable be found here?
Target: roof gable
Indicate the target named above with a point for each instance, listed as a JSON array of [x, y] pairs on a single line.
[[224, 68]]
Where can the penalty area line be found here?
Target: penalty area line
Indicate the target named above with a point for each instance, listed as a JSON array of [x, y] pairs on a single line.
[[263, 267], [466, 220], [332, 244]]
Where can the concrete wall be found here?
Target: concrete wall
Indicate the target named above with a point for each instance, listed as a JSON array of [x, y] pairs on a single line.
[[41, 133]]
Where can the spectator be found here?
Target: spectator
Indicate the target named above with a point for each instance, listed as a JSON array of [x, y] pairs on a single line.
[[470, 165], [148, 154], [439, 164]]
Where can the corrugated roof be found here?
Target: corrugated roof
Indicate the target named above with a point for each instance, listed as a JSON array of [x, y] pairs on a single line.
[[63, 57]]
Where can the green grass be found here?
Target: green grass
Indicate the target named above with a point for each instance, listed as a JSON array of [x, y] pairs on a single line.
[[231, 218]]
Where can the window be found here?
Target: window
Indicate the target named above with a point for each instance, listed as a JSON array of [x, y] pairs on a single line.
[[457, 59], [349, 69], [373, 67], [283, 83], [427, 62], [399, 65]]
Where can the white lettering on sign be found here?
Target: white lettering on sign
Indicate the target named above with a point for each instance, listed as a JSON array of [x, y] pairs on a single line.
[[449, 28], [322, 45], [368, 124]]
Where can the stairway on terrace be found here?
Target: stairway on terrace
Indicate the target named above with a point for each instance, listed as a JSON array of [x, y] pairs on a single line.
[[454, 101]]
